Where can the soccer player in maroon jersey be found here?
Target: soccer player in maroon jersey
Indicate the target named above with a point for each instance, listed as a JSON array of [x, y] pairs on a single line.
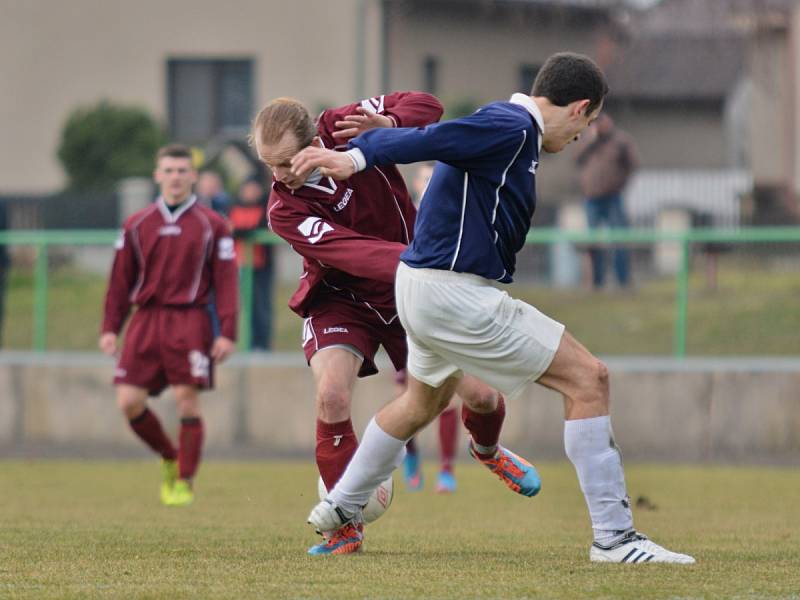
[[350, 234], [169, 258]]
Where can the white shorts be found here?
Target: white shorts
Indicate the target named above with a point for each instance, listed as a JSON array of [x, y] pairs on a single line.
[[461, 322]]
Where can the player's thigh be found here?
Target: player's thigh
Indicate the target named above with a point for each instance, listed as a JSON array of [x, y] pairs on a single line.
[[502, 341], [427, 365], [187, 336], [140, 363], [573, 368], [339, 324], [335, 367]]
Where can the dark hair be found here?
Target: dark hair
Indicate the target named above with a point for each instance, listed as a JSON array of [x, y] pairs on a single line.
[[566, 77], [173, 151]]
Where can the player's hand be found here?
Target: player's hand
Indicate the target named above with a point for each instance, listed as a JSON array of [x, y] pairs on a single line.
[[222, 349], [364, 120], [108, 343], [330, 163]]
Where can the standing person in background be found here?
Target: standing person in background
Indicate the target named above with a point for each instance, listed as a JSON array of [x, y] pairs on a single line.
[[606, 160], [5, 264], [169, 258], [247, 216], [448, 420], [211, 192]]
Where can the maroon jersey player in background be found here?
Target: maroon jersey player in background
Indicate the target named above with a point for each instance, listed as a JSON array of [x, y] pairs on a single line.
[[170, 257], [350, 234]]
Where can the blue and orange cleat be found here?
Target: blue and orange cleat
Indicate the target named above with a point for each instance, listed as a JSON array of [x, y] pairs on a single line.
[[412, 473], [446, 483], [516, 472], [345, 540]]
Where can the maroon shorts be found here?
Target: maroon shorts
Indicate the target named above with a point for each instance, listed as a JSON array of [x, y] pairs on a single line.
[[167, 346], [341, 323]]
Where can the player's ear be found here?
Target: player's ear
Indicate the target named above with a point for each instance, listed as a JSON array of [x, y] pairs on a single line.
[[581, 107]]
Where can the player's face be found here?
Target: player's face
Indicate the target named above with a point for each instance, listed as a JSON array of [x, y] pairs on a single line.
[[572, 120], [175, 176], [278, 158]]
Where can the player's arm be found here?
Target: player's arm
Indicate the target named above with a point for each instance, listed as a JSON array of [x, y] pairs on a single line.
[[480, 141], [225, 282], [337, 247], [399, 109], [117, 305]]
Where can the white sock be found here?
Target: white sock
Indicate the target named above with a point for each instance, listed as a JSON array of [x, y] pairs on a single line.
[[377, 456], [590, 446], [485, 450]]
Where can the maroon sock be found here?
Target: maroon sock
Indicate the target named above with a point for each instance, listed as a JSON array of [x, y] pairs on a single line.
[[485, 427], [336, 444], [190, 447], [411, 446], [448, 436], [148, 428]]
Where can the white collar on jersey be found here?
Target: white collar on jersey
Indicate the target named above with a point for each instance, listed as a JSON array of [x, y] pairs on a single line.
[[172, 217], [530, 105], [315, 179]]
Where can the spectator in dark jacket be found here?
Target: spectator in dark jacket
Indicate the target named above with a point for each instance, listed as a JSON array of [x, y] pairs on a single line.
[[606, 161]]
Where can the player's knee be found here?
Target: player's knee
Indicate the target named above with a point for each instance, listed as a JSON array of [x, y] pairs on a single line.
[[188, 408], [477, 395], [481, 400], [130, 406], [422, 412], [594, 382], [333, 404]]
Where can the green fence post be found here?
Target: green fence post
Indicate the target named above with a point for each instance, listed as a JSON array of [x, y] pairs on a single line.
[[246, 300], [40, 293], [682, 301]]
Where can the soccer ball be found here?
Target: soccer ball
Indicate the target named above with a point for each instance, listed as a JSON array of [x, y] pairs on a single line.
[[378, 503]]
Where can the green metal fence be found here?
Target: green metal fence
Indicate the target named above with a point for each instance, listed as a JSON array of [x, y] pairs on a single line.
[[43, 240]]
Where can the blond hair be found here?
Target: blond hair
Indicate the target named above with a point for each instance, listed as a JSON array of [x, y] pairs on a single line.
[[280, 116]]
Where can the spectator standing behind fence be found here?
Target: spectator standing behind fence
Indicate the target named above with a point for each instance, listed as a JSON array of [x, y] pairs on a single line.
[[606, 160], [211, 192], [247, 216]]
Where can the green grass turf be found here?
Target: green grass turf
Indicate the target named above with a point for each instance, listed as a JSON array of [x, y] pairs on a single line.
[[95, 530], [752, 312]]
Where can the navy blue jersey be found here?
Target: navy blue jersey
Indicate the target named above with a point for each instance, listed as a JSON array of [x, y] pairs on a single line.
[[478, 206]]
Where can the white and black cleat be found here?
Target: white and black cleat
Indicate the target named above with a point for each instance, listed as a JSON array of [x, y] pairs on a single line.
[[326, 516], [636, 548]]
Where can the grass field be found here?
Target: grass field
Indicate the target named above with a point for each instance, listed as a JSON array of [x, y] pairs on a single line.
[[95, 530], [752, 312]]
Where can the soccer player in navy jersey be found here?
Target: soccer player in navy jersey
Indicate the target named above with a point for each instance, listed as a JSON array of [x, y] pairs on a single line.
[[351, 235], [169, 259], [472, 222]]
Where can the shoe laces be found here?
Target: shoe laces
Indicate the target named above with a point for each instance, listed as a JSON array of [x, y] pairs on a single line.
[[343, 533], [504, 463]]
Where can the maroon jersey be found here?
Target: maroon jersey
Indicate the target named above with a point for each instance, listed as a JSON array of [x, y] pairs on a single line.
[[173, 259], [350, 233]]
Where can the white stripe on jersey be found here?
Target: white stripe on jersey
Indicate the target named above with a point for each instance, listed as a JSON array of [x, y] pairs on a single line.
[[461, 225]]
